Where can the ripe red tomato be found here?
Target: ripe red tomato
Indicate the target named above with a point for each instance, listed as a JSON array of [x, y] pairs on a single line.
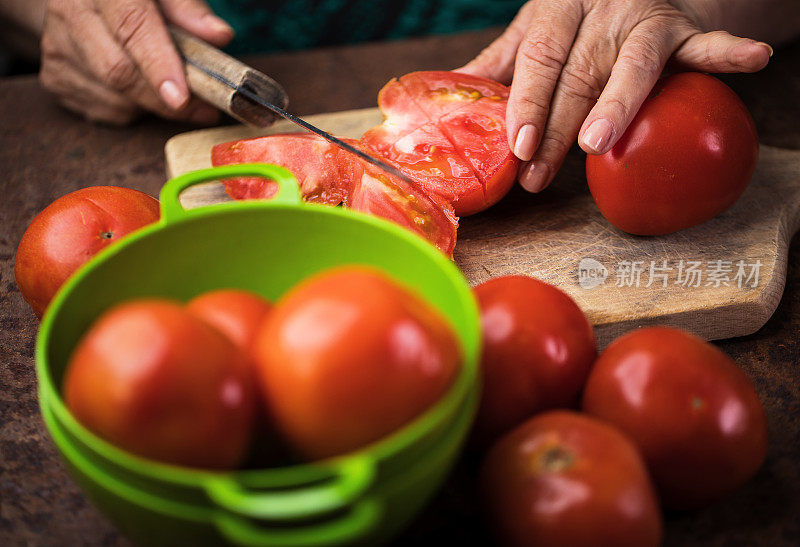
[[538, 348], [70, 231], [327, 174], [566, 479], [235, 313], [686, 157], [157, 381], [447, 131], [691, 410], [347, 357]]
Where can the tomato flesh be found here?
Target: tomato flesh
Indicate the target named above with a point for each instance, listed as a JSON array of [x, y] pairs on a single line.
[[462, 127], [343, 178], [322, 175]]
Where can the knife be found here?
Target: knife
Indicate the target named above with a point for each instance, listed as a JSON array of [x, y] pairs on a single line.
[[247, 94]]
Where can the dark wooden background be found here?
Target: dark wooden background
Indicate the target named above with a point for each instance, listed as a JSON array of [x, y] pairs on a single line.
[[46, 152]]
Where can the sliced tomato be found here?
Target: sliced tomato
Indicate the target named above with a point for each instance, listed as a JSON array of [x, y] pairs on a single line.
[[430, 159], [311, 159], [389, 197], [343, 178], [480, 134], [437, 93], [436, 119]]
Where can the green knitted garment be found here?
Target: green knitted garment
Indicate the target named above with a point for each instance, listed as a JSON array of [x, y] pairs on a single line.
[[274, 25]]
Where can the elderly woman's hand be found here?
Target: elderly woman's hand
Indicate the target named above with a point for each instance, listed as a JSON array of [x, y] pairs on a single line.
[[110, 59], [582, 68]]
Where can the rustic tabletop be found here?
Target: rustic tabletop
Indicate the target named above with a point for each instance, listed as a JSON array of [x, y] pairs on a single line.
[[46, 152]]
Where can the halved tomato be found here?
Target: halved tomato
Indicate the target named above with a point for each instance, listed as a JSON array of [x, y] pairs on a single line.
[[431, 160], [330, 175], [447, 131], [311, 159]]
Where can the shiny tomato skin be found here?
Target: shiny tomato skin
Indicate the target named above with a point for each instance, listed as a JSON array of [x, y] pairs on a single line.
[[236, 313], [691, 410], [155, 380], [347, 357], [686, 157], [566, 479], [538, 348], [70, 231]]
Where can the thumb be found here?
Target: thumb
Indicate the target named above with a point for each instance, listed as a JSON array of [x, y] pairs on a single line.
[[195, 17], [719, 51]]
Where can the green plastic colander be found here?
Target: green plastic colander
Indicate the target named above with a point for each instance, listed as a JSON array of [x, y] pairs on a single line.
[[265, 247]]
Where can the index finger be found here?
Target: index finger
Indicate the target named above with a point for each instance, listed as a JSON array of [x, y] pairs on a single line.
[[140, 30], [540, 59]]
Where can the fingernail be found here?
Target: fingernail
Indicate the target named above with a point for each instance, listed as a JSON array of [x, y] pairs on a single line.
[[598, 134], [173, 96], [769, 47], [535, 177], [217, 24], [525, 145]]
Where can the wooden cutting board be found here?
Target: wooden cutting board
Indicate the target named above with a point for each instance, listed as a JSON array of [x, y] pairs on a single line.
[[721, 279]]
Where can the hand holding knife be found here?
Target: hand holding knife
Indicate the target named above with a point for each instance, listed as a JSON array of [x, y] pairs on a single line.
[[247, 94]]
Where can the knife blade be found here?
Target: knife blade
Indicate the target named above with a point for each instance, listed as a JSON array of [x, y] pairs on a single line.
[[243, 82]]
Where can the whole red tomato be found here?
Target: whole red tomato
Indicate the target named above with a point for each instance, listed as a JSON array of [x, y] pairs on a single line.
[[686, 157], [70, 231], [538, 348], [347, 357], [236, 313], [157, 381], [566, 479], [691, 410]]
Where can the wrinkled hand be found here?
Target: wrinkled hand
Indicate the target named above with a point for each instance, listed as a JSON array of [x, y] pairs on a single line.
[[110, 59], [582, 68]]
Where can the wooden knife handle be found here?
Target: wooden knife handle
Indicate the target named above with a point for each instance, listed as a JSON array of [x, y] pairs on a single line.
[[210, 89]]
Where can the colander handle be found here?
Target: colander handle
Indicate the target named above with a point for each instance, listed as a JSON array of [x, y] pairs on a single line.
[[353, 476], [351, 527], [288, 190]]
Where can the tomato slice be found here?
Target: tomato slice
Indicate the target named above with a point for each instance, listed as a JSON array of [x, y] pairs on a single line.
[[431, 160], [480, 135], [329, 175], [311, 159], [430, 216], [437, 93], [436, 119]]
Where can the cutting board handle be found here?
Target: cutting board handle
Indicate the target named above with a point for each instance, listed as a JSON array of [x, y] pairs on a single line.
[[201, 58]]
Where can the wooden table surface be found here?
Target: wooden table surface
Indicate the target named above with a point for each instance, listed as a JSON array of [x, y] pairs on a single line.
[[46, 152]]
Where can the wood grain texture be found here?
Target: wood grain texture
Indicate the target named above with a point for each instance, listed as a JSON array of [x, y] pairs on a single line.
[[547, 236]]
